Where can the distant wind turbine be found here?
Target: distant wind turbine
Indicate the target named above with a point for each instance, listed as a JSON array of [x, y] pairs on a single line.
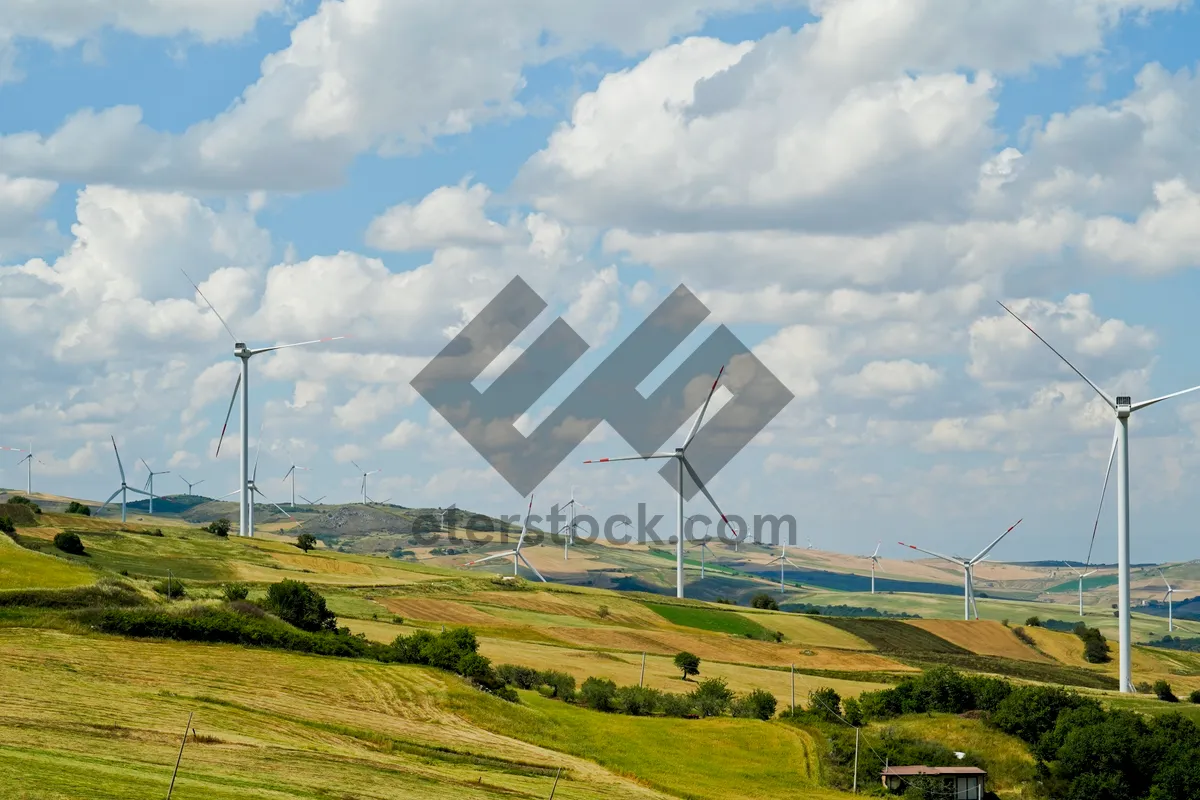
[[313, 502], [783, 560], [680, 456], [968, 567], [874, 563], [442, 515], [190, 485], [1170, 602], [241, 351], [252, 489], [515, 553], [124, 490], [570, 527], [702, 544], [365, 499], [150, 481], [1081, 575], [28, 462], [292, 473]]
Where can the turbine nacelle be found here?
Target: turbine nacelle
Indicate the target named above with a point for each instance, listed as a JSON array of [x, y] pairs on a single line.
[[1124, 406]]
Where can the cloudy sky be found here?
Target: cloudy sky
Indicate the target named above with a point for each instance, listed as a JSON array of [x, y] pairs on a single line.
[[849, 185]]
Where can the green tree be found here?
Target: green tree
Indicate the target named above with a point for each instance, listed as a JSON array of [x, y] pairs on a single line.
[[758, 704], [69, 542], [75, 507], [637, 701], [764, 600], [306, 541], [298, 604], [712, 697], [220, 527], [599, 694], [825, 703], [235, 591], [1162, 690], [688, 664], [6, 525]]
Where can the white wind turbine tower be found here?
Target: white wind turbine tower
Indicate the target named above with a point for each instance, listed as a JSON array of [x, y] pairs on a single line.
[[702, 544], [241, 351], [292, 472], [1081, 576], [365, 499], [124, 490], [810, 544], [1122, 407], [874, 563], [28, 462], [1170, 602], [569, 539], [190, 485], [515, 553], [252, 489], [783, 560], [442, 515], [680, 456], [150, 481], [968, 568]]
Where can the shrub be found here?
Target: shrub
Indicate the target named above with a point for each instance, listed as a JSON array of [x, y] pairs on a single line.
[[598, 694], [75, 507], [637, 701], [508, 693], [235, 591], [825, 703], [852, 711], [17, 500], [298, 604], [1095, 651], [758, 704], [171, 588], [1031, 711], [712, 697], [1033, 622], [220, 527], [562, 684], [69, 542], [1020, 633], [306, 541], [676, 705], [521, 677], [602, 612], [1162, 690], [764, 600], [1143, 687], [687, 663], [6, 525], [247, 608]]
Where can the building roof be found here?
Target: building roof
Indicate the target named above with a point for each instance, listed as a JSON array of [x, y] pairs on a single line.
[[923, 770]]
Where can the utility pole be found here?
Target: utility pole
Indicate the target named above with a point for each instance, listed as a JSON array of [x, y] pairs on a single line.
[[642, 679], [857, 731], [793, 690], [555, 786], [179, 758]]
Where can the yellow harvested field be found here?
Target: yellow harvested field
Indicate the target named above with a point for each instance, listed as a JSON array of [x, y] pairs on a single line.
[[625, 670], [804, 630], [573, 604], [1063, 647], [449, 611], [981, 636], [718, 647]]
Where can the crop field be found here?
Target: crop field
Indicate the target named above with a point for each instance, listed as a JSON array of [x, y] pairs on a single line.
[[710, 620], [24, 569], [983, 637]]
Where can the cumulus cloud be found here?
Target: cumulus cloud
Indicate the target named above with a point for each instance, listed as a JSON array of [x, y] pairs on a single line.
[[888, 379], [447, 216]]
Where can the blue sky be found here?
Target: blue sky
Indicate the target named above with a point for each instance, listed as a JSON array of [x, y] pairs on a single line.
[[834, 212]]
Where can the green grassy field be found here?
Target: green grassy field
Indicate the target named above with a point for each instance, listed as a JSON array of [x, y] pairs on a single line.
[[711, 620]]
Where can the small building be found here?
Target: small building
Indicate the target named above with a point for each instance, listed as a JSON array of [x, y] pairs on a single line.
[[967, 783]]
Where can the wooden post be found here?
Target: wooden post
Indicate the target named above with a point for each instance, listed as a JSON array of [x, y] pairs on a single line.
[[793, 690], [857, 731], [642, 679], [180, 756], [555, 786]]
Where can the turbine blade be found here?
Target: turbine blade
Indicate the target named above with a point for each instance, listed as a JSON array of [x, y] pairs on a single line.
[[700, 485], [988, 549], [287, 474], [109, 500], [297, 344], [960, 562], [139, 491], [229, 413], [629, 458], [258, 451], [210, 305], [877, 546], [1111, 403], [525, 561], [703, 408], [235, 491], [525, 524], [118, 454], [271, 502], [1145, 403], [1103, 491], [505, 554]]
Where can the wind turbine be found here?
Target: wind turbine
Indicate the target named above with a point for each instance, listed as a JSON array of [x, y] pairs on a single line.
[[28, 462], [569, 539], [1081, 575], [680, 456], [292, 472], [442, 515], [1122, 407], [252, 489], [703, 543], [783, 559], [313, 502], [365, 499], [810, 544], [150, 481], [517, 555], [1170, 602], [241, 351], [123, 491], [874, 563], [190, 484], [968, 567]]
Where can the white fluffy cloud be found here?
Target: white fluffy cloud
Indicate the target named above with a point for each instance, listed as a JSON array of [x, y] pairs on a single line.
[[888, 379], [448, 216]]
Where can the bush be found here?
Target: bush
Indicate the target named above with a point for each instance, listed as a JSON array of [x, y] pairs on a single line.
[[825, 704], [521, 677], [1162, 690], [1033, 622], [598, 694], [637, 701], [758, 704], [17, 500], [297, 604], [852, 711], [1031, 711], [712, 697], [1194, 697], [1020, 633], [76, 507], [561, 684], [69, 542], [235, 591], [602, 612], [306, 541], [764, 600], [1095, 651], [6, 525], [676, 705], [220, 527], [687, 663], [171, 588], [1143, 687]]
